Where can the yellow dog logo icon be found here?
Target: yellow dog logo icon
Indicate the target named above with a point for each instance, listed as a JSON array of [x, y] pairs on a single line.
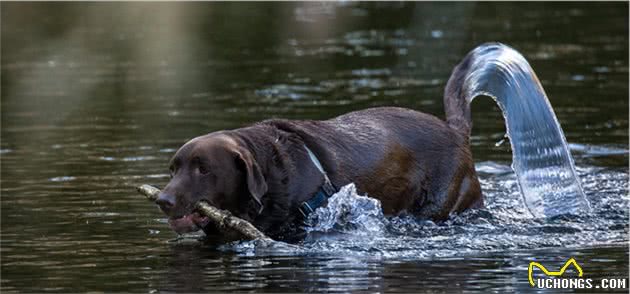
[[533, 264]]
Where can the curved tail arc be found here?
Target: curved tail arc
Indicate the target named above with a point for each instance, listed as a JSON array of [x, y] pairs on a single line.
[[540, 156]]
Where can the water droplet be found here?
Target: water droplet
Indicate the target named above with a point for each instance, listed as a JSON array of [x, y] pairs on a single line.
[[505, 137]]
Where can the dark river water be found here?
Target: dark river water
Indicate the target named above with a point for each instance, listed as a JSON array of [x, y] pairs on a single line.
[[96, 97]]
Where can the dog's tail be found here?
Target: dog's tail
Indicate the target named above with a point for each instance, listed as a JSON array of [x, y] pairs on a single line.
[[456, 96], [541, 158]]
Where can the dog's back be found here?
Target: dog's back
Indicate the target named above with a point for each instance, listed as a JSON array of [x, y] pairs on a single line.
[[410, 161]]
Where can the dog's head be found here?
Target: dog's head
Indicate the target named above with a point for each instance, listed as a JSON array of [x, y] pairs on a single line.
[[217, 169]]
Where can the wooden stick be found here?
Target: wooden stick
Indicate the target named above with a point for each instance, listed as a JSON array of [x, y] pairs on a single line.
[[224, 220]]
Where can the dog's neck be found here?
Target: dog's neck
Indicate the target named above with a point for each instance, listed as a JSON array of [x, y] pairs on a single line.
[[291, 176]]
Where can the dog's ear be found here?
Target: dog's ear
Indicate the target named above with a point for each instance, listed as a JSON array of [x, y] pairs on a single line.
[[256, 183]]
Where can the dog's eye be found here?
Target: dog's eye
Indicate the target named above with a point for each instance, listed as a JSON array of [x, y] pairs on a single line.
[[203, 170]]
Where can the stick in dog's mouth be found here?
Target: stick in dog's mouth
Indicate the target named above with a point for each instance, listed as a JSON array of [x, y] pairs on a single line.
[[223, 219]]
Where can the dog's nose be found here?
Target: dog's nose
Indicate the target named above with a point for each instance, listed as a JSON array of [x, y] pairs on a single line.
[[165, 201]]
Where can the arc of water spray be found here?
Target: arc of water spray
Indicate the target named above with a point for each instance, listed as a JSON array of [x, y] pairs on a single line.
[[540, 156]]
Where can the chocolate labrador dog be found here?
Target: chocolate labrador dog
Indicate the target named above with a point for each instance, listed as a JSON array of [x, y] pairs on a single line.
[[275, 172]]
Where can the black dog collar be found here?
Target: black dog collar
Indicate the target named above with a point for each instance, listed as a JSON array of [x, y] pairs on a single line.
[[323, 193]]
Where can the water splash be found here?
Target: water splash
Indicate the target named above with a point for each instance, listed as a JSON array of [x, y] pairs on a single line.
[[541, 158], [350, 213]]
